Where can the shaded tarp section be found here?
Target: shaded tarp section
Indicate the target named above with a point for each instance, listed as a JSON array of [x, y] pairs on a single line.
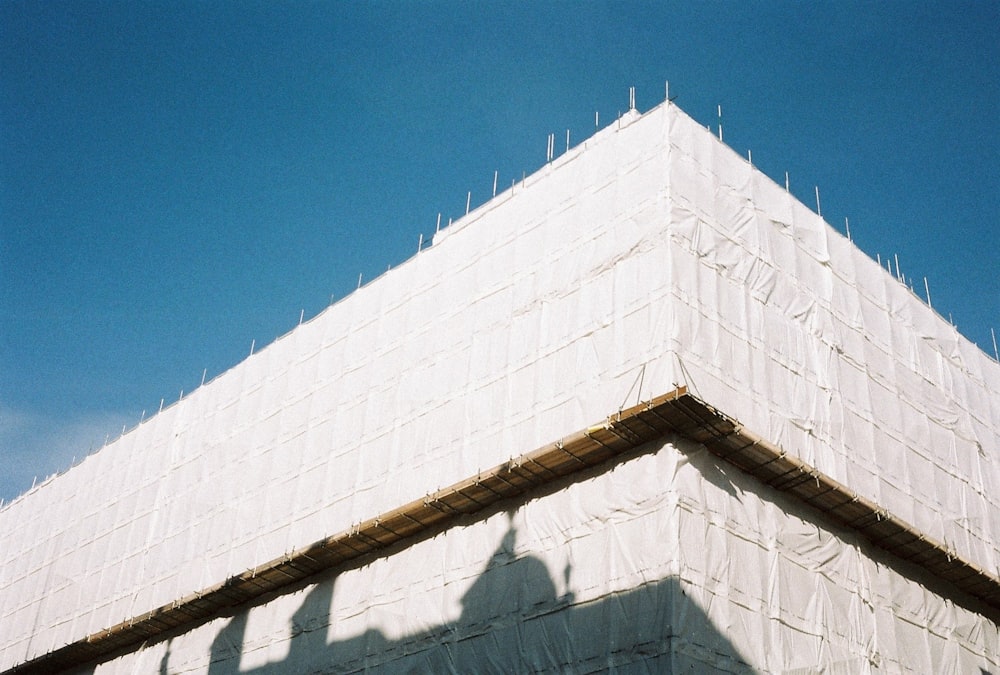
[[669, 562]]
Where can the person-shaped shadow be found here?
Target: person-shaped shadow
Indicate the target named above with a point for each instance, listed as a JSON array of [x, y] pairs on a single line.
[[513, 620]]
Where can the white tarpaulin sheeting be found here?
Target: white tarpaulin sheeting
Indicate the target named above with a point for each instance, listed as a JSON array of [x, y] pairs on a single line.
[[668, 563], [651, 253]]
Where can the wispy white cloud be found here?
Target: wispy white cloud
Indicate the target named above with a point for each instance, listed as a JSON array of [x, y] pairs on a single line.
[[34, 446]]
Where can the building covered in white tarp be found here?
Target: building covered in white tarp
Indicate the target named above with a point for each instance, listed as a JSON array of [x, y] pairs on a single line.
[[644, 411]]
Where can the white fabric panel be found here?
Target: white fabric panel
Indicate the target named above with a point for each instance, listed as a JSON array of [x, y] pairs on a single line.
[[667, 562], [890, 347], [651, 253]]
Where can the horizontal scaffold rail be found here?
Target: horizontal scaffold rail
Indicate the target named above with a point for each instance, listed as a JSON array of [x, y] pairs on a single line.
[[677, 412]]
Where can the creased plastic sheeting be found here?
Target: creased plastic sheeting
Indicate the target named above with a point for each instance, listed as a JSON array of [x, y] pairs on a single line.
[[669, 562], [847, 367], [648, 256], [531, 318]]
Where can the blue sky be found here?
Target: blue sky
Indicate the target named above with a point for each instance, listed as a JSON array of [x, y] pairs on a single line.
[[178, 179]]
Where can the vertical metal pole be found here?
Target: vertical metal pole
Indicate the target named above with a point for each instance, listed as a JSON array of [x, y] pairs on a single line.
[[495, 175], [819, 211]]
